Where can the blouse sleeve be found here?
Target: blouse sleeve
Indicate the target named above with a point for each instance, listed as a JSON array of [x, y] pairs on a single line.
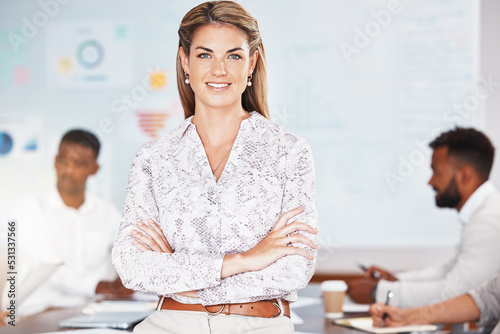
[[154, 272], [291, 272]]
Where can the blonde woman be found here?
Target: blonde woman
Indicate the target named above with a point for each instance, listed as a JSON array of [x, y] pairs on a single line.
[[230, 197]]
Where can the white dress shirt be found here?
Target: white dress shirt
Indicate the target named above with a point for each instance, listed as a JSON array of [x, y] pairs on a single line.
[[268, 173], [487, 299], [476, 260], [49, 232]]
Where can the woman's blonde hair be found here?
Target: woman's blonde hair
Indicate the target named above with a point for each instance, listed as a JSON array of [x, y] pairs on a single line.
[[224, 12]]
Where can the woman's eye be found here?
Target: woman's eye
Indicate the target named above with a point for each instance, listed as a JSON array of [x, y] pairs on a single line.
[[234, 57], [204, 55]]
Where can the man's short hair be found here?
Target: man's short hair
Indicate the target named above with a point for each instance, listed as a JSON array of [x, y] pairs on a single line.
[[468, 146], [84, 138]]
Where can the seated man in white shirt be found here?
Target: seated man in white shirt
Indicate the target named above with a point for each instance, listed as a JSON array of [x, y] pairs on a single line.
[[482, 303], [461, 163], [68, 226]]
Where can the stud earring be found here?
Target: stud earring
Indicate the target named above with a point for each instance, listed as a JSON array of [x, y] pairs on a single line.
[[187, 79], [249, 82]]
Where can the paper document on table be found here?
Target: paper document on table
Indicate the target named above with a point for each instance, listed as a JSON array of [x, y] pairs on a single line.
[[37, 275], [366, 325]]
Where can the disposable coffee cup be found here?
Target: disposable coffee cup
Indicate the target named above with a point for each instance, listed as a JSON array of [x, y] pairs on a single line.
[[333, 297]]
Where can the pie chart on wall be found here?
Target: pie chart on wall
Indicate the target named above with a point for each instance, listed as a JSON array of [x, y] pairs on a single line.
[[6, 143]]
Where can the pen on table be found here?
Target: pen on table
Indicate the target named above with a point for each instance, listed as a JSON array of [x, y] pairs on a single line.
[[375, 274], [387, 300]]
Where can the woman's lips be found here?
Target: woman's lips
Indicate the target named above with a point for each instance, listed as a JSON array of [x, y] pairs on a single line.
[[217, 85]]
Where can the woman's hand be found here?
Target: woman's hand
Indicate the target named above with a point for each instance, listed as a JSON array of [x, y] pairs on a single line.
[[277, 244], [151, 239]]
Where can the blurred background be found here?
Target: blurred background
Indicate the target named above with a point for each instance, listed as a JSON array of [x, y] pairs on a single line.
[[367, 83]]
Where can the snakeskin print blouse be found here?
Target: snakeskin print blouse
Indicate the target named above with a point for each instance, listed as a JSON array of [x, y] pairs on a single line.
[[268, 173]]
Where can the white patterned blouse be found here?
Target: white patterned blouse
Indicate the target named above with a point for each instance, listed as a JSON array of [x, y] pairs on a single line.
[[268, 173]]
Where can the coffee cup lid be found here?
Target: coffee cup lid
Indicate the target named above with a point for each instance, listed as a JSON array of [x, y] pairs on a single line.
[[333, 286]]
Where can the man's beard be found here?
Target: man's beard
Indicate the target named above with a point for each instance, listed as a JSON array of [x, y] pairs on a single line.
[[450, 198]]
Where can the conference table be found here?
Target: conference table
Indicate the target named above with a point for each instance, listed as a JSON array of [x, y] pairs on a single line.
[[313, 316]]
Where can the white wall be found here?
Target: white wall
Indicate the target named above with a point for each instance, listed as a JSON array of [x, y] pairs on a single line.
[[490, 66]]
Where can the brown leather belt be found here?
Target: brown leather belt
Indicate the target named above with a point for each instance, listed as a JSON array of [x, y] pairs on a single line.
[[264, 308]]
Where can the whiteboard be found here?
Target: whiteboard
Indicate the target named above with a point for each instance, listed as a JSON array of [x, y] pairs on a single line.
[[370, 115], [367, 83]]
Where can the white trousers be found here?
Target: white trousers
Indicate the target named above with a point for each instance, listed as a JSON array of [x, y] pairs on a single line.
[[173, 322]]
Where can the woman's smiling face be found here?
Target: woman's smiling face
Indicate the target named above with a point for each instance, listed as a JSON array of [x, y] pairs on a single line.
[[218, 65]]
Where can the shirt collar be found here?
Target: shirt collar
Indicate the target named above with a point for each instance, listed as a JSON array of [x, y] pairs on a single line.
[[55, 201], [255, 119], [53, 198], [181, 129], [88, 204], [475, 201]]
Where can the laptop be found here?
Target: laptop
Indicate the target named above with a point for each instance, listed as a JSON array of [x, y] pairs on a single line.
[[117, 320]]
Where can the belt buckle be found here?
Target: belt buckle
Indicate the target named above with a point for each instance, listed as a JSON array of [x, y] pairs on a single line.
[[279, 310], [214, 313]]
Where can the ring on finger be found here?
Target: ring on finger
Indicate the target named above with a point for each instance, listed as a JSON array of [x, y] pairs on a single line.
[[289, 239]]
